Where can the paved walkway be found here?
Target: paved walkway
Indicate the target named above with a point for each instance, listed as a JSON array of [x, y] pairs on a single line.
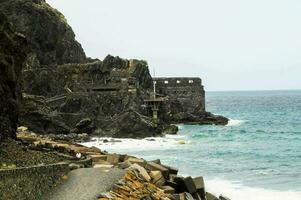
[[86, 184]]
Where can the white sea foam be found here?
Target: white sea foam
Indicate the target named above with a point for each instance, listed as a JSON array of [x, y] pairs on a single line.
[[233, 190], [236, 191], [151, 143], [235, 122]]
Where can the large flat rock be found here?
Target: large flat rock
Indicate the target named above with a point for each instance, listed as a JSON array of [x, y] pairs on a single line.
[[86, 184]]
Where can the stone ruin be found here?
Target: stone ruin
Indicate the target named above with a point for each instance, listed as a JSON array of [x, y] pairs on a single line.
[[186, 92]]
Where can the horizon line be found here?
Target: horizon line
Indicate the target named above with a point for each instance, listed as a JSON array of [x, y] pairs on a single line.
[[254, 90]]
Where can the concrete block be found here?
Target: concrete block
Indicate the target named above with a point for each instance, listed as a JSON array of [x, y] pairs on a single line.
[[168, 190], [157, 161], [113, 158], [188, 196], [189, 185], [157, 178], [101, 162], [96, 158], [124, 165], [156, 167], [141, 171], [171, 184], [103, 166], [180, 196], [180, 185], [200, 187], [196, 196], [172, 170], [138, 161]]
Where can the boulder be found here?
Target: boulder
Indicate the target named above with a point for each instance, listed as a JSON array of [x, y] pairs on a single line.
[[132, 124]]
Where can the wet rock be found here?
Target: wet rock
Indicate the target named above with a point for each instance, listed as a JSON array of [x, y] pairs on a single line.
[[168, 189], [131, 124], [170, 130]]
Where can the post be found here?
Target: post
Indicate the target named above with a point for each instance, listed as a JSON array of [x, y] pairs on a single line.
[[154, 83], [155, 89]]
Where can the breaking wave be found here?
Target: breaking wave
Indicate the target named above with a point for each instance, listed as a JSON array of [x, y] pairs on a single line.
[[235, 122], [236, 191]]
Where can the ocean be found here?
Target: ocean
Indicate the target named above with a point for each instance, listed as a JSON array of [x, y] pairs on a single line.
[[257, 156]]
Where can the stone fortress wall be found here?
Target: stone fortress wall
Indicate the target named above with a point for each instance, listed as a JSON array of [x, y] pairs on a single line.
[[186, 91]]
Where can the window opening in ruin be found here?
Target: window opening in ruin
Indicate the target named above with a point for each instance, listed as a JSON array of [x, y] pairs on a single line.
[[166, 82], [190, 81], [178, 81]]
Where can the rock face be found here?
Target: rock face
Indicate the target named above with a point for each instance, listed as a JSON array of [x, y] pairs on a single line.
[[50, 39], [12, 56], [65, 92]]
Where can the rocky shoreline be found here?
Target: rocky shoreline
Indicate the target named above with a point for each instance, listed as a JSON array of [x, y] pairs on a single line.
[[142, 179]]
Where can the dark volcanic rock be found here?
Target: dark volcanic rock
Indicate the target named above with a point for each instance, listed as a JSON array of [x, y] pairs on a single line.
[[65, 92], [40, 118], [50, 39], [12, 57], [131, 124]]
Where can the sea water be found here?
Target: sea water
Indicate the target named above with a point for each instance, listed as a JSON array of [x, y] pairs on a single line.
[[257, 156]]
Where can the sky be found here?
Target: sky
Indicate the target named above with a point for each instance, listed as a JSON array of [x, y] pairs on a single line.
[[230, 44]]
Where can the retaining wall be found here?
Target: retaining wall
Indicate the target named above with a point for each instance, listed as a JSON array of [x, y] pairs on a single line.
[[30, 182]]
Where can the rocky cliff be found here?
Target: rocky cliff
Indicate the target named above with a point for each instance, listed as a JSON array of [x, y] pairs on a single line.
[[50, 39], [66, 92], [12, 57]]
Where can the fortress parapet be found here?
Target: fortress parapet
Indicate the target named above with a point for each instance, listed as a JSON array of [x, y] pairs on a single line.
[[185, 93]]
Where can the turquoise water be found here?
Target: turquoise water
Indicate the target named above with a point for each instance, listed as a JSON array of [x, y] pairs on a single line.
[[260, 149]]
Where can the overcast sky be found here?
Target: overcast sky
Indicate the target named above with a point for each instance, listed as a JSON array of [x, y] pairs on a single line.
[[230, 44]]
